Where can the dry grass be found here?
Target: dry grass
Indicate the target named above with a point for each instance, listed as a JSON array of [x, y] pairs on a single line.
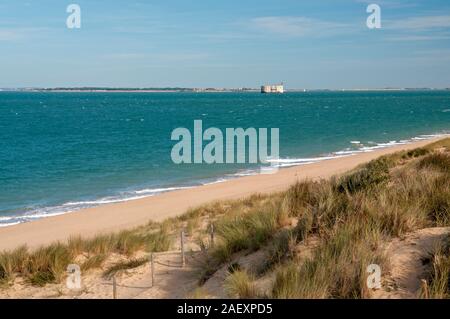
[[444, 143], [12, 263], [248, 227], [281, 249], [93, 262], [239, 284], [48, 264], [198, 293], [336, 270], [439, 278], [247, 231], [350, 215], [124, 265]]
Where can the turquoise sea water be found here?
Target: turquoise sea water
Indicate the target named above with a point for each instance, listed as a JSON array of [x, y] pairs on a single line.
[[64, 151]]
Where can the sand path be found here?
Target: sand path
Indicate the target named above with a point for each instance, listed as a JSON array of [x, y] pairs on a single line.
[[407, 267]]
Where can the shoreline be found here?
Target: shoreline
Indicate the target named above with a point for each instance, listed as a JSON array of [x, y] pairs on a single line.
[[156, 190], [128, 214]]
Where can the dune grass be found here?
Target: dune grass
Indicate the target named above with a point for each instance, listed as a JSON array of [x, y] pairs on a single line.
[[246, 227], [336, 270], [239, 284], [439, 278], [349, 214], [12, 263], [354, 213], [247, 231], [92, 262], [124, 265], [198, 293], [49, 264]]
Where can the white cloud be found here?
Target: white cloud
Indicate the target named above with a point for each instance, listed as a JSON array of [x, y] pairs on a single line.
[[13, 34], [419, 38], [157, 57], [125, 56], [8, 35], [389, 3], [420, 23], [296, 26]]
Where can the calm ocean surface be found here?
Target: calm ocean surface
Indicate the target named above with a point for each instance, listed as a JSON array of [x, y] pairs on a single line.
[[64, 151]]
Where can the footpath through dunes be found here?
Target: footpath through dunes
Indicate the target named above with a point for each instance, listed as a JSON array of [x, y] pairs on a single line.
[[409, 263], [126, 215]]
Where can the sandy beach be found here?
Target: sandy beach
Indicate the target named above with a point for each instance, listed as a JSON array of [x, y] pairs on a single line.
[[119, 216]]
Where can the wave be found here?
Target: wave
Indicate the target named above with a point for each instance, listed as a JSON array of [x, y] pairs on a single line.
[[369, 146], [68, 207], [9, 224]]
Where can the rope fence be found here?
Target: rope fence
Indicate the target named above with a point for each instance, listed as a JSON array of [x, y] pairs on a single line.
[[153, 259]]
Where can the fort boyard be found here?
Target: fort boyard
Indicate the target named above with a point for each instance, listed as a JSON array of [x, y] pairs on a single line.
[[277, 88]]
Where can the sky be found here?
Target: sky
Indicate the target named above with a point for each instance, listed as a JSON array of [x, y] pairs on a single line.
[[225, 43]]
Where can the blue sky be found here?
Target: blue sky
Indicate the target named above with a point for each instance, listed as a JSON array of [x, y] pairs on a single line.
[[225, 43]]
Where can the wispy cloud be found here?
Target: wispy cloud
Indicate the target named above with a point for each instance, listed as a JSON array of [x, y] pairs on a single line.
[[124, 56], [420, 28], [13, 34], [296, 26], [431, 56], [8, 35], [158, 57], [392, 4], [422, 23], [419, 37]]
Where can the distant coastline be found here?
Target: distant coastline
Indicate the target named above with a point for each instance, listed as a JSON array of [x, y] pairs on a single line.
[[129, 90], [198, 90]]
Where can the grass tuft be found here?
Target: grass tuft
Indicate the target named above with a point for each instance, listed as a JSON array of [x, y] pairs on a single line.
[[368, 176], [439, 279], [124, 265], [239, 284]]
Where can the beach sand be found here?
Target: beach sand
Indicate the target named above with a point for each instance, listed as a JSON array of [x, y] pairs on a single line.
[[125, 215]]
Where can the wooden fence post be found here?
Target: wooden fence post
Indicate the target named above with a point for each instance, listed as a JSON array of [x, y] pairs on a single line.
[[183, 258], [153, 269], [114, 287], [212, 236], [425, 289]]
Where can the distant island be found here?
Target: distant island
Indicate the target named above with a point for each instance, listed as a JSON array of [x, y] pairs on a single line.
[[129, 89]]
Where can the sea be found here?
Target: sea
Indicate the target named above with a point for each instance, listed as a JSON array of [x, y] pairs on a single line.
[[61, 152]]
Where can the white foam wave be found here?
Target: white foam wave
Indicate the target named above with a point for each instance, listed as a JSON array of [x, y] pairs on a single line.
[[9, 224], [69, 207], [218, 181], [160, 190], [245, 173]]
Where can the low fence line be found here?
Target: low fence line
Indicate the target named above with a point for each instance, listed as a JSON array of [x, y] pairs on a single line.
[[153, 259]]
